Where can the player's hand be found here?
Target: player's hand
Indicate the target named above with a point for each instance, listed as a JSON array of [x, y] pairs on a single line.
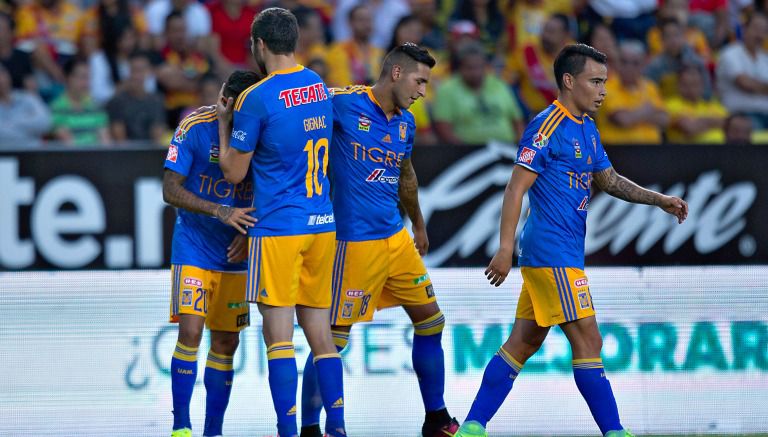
[[237, 251], [238, 218], [499, 267], [675, 206], [224, 107], [420, 240]]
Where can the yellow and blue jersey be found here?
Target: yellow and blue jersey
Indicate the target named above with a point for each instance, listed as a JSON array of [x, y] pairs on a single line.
[[200, 240], [286, 120], [366, 151], [564, 150]]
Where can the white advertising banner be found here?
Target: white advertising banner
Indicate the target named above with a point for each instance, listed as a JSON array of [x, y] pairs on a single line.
[[685, 348]]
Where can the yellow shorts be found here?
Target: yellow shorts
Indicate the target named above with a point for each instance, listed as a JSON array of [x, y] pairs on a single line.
[[291, 270], [375, 274], [219, 297], [554, 295]]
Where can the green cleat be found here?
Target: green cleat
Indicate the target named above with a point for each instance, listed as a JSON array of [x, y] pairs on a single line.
[[622, 433], [183, 432], [471, 429]]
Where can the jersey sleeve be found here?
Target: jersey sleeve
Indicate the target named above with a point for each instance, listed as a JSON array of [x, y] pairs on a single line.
[[247, 123], [181, 151], [410, 137], [535, 150], [601, 157]]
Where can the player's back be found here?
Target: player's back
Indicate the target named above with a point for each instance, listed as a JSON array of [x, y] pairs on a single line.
[[198, 239], [286, 120], [564, 150]]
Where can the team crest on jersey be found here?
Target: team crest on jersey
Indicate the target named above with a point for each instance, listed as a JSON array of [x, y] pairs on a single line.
[[576, 148], [180, 135], [186, 297], [584, 300], [527, 155], [539, 140], [363, 123], [173, 153], [213, 154], [346, 311], [403, 131]]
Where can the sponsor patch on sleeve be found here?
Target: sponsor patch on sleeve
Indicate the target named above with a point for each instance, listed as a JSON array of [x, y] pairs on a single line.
[[527, 155], [173, 153]]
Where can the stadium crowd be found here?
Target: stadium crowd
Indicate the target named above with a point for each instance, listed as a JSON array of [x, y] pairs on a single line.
[[110, 72]]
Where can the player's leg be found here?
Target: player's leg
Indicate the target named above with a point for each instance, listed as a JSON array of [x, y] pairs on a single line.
[[188, 309], [274, 265], [227, 316], [586, 344], [313, 313]]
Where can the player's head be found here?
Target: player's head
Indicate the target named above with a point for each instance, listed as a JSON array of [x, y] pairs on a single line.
[[581, 72], [274, 30], [407, 68], [239, 81]]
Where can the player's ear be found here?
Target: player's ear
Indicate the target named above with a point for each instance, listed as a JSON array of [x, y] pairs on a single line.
[[568, 81], [396, 72]]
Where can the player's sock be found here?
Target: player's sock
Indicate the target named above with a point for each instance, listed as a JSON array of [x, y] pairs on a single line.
[[429, 362], [183, 376], [596, 390], [498, 377], [218, 385], [330, 378], [283, 382], [311, 400]]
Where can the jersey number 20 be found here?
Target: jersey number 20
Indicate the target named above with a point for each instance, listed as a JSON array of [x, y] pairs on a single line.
[[314, 187]]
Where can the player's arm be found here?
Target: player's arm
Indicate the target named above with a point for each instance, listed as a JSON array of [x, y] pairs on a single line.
[[408, 191], [620, 187], [234, 163], [521, 180], [175, 194]]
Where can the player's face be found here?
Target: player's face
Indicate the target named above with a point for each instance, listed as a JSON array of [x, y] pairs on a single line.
[[411, 85], [589, 86]]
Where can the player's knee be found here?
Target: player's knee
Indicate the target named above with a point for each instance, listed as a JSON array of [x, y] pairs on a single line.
[[524, 348], [431, 325], [226, 345], [190, 336]]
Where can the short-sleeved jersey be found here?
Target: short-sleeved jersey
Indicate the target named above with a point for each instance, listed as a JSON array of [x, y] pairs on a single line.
[[366, 152], [200, 240], [565, 151], [286, 120]]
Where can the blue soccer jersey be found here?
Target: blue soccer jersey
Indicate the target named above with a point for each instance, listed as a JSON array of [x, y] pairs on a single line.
[[565, 151], [366, 153], [200, 240], [286, 120]]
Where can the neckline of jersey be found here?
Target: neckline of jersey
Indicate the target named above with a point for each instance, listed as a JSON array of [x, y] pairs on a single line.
[[568, 113], [369, 92], [289, 70]]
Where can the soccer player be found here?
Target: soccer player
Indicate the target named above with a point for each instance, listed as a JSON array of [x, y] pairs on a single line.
[[377, 263], [208, 254], [282, 128], [559, 156]]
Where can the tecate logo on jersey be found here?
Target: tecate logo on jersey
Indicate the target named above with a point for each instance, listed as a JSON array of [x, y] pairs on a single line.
[[239, 135], [320, 219], [303, 95]]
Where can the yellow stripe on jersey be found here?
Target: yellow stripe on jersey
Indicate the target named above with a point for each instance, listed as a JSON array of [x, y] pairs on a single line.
[[356, 89], [548, 133], [194, 119], [205, 120], [244, 94], [549, 118]]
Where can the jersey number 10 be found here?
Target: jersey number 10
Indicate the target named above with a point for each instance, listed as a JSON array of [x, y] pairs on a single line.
[[314, 187]]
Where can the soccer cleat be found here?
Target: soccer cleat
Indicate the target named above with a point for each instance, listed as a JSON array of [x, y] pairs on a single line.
[[311, 431], [621, 433], [447, 430], [183, 432], [471, 429]]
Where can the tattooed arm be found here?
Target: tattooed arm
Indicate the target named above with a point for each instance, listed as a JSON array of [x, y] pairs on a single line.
[[409, 198], [175, 194], [620, 187]]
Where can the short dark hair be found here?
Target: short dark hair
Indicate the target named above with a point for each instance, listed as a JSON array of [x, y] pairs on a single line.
[[572, 59], [353, 10], [405, 55], [172, 16], [278, 28], [71, 65], [239, 81], [751, 17]]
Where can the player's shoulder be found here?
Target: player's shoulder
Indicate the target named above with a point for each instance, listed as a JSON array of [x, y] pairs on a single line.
[[252, 95], [196, 123], [348, 93], [408, 117]]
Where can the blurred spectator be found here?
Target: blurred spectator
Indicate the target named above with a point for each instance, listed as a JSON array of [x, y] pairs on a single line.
[[675, 54], [434, 32], [601, 37], [485, 14], [474, 106], [196, 17], [629, 19], [319, 66], [25, 117], [677, 10], [77, 121], [135, 114], [108, 20], [742, 73], [531, 66], [387, 13], [355, 61], [711, 16], [311, 45], [17, 62], [408, 29], [526, 18], [181, 71], [633, 112], [231, 23], [54, 24], [738, 130], [694, 119]]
